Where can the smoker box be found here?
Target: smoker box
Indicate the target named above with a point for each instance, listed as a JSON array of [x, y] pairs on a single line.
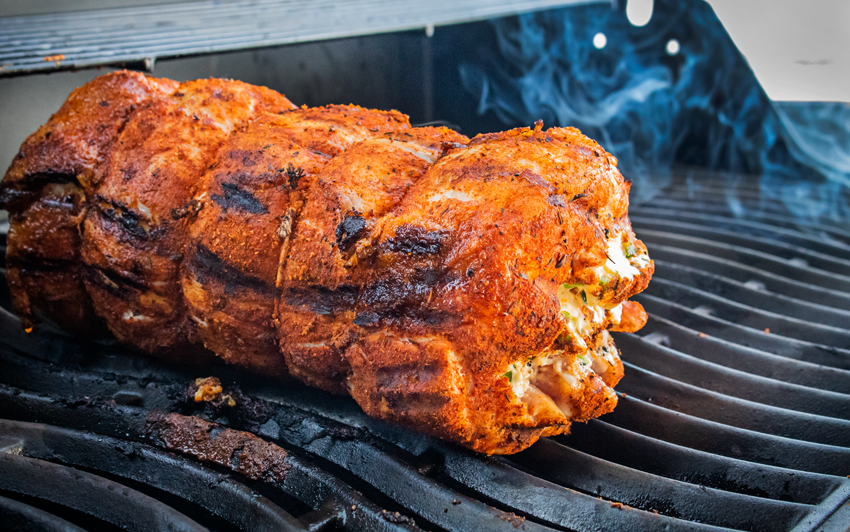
[[734, 413]]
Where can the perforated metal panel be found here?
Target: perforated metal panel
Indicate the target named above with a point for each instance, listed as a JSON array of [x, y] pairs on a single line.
[[138, 36]]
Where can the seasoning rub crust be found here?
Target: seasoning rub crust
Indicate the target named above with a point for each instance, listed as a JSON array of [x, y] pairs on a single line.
[[463, 288]]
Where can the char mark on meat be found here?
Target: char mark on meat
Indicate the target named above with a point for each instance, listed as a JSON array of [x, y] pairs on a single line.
[[126, 218], [238, 199], [117, 285], [321, 300], [209, 267], [351, 229], [414, 240], [16, 196]]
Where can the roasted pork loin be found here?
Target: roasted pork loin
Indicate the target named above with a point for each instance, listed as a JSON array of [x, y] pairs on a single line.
[[463, 288]]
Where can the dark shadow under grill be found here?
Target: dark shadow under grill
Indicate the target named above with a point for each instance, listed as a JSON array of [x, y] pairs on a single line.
[[734, 414]]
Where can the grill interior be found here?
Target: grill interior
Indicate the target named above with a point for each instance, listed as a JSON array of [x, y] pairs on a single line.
[[721, 424]]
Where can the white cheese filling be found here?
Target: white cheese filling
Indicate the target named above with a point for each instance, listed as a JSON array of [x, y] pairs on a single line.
[[584, 315], [623, 259], [572, 369], [617, 314], [617, 260], [519, 375]]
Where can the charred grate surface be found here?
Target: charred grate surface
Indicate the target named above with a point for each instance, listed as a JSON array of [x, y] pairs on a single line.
[[721, 425], [138, 36]]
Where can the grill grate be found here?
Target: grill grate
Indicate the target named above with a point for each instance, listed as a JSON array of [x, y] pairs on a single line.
[[720, 426], [138, 36]]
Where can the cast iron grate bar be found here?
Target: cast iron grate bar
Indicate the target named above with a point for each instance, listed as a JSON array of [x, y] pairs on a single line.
[[745, 336], [773, 322], [366, 456], [697, 180], [691, 343], [793, 254], [774, 215], [327, 439], [516, 491], [834, 232], [138, 36], [651, 355], [713, 406], [658, 457], [721, 426], [751, 295], [82, 491], [791, 237], [216, 493], [749, 276], [20, 516], [579, 509], [790, 267], [641, 416], [750, 185], [309, 436], [835, 505], [702, 302], [639, 489]]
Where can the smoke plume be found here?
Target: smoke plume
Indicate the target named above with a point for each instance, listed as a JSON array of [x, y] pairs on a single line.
[[659, 112]]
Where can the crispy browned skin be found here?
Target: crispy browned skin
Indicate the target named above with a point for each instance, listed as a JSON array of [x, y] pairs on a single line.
[[320, 277], [462, 288], [133, 237], [465, 277], [43, 261], [418, 312], [42, 189], [634, 318], [248, 201]]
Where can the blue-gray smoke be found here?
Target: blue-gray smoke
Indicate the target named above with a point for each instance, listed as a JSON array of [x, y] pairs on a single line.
[[700, 108], [818, 136]]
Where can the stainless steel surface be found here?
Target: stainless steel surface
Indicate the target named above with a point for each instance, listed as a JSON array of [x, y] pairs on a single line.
[[139, 36]]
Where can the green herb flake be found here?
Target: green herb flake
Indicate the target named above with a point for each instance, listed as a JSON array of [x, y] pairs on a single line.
[[568, 286], [570, 317], [604, 280], [584, 359], [510, 376], [630, 250], [584, 297]]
